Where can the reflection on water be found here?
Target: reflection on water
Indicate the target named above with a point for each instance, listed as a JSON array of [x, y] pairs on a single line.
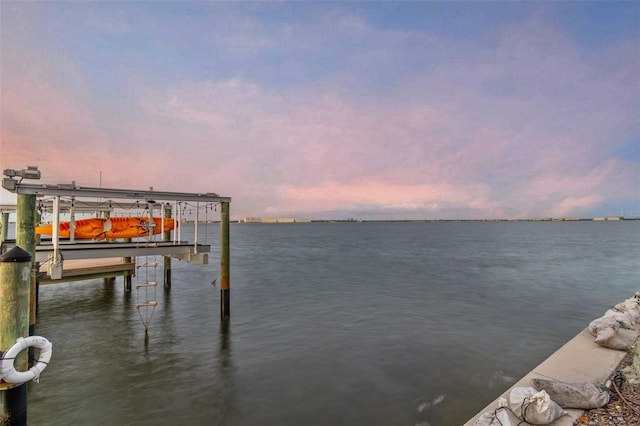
[[372, 323]]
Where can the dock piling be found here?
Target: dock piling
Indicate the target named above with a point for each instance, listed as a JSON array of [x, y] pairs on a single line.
[[128, 277], [26, 239], [4, 227], [15, 295], [225, 296], [167, 259]]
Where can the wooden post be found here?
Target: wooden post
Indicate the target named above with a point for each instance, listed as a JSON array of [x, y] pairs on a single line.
[[4, 227], [35, 269], [167, 259], [15, 289], [109, 280], [225, 284], [26, 223], [128, 275], [26, 238]]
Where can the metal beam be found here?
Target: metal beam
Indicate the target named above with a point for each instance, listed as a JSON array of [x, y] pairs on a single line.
[[71, 190], [106, 250]]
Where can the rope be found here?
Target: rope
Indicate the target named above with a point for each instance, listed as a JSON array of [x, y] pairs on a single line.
[[615, 387]]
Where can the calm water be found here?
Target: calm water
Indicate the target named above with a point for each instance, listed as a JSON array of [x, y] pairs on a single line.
[[334, 324]]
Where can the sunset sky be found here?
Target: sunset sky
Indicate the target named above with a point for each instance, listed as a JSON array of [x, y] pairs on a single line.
[[331, 110]]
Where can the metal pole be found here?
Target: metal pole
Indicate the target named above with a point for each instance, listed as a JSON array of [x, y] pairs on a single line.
[[167, 259], [72, 222], [128, 275], [15, 289], [225, 282], [195, 229], [176, 232], [55, 235]]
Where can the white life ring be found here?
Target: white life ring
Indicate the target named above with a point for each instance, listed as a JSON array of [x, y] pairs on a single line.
[[9, 374]]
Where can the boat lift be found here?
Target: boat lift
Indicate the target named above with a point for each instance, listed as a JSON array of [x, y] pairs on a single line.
[[80, 198]]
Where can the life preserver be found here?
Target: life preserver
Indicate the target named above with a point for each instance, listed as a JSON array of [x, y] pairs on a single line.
[[9, 374]]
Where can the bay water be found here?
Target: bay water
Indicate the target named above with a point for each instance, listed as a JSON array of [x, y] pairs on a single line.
[[374, 323]]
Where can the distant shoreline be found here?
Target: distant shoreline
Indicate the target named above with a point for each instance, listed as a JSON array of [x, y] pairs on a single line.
[[289, 221], [276, 221]]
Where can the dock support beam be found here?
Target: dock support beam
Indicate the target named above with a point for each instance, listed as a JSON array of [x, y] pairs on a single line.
[[4, 227], [15, 295], [225, 283], [167, 259], [128, 276]]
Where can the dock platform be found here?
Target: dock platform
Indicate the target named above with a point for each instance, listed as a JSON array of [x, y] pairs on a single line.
[[87, 269], [101, 250]]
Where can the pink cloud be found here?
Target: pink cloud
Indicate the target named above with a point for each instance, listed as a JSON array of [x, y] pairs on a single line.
[[367, 194], [517, 126]]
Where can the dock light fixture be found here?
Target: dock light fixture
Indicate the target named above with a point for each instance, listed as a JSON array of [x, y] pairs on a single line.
[[8, 183]]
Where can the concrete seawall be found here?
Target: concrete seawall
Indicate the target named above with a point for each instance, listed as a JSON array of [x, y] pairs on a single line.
[[579, 360]]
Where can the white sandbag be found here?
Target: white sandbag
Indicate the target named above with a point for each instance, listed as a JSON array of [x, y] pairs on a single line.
[[620, 340], [573, 395], [631, 307], [608, 333], [497, 417], [602, 323], [625, 319], [534, 407], [629, 304]]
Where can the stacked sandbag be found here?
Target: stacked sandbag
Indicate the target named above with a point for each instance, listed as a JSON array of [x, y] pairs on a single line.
[[573, 395], [618, 327], [498, 417], [525, 404], [533, 406]]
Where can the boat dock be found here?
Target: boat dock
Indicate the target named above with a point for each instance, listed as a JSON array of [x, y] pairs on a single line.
[[70, 254], [140, 244]]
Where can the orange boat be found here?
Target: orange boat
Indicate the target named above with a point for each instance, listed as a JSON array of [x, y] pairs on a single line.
[[114, 227]]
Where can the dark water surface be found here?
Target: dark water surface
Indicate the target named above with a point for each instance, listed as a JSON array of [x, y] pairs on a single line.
[[333, 324]]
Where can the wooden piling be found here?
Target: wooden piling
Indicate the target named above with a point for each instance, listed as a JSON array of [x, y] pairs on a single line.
[[25, 223], [167, 259], [128, 277], [15, 289], [26, 239], [225, 284], [109, 281], [4, 227]]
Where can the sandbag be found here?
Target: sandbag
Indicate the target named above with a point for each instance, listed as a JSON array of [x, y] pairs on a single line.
[[534, 407], [631, 304], [609, 335], [625, 319], [603, 323], [620, 340], [573, 395], [497, 417], [631, 307]]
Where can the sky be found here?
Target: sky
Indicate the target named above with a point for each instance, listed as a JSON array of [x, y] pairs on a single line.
[[332, 110]]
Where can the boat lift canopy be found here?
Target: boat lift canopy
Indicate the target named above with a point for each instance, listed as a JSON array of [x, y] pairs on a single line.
[[125, 199]]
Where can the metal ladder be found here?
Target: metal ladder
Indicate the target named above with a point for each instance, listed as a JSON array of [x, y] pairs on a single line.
[[146, 282]]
